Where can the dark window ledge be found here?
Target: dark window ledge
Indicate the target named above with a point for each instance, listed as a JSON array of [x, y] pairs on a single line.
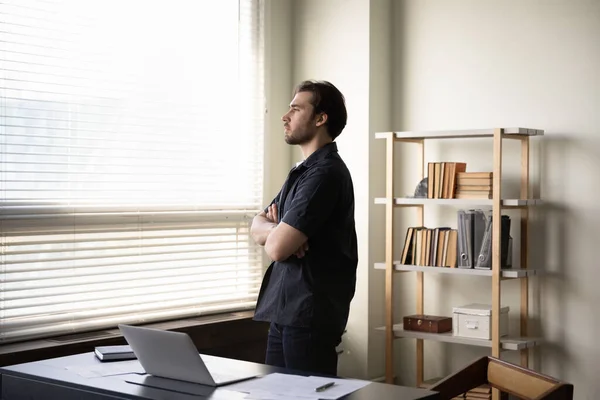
[[234, 335]]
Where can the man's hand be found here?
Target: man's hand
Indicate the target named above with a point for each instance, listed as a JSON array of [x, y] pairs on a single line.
[[272, 214], [302, 250], [263, 224]]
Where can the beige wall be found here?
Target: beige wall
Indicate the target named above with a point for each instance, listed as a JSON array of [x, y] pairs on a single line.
[[380, 119], [278, 82], [468, 64]]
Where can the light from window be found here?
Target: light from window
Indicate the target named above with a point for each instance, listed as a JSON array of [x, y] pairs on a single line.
[[131, 161]]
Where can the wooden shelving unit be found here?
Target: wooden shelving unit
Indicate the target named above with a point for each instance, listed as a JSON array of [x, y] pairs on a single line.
[[497, 274]]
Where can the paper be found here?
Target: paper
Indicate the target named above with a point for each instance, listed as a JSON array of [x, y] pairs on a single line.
[[259, 395], [278, 386], [107, 369]]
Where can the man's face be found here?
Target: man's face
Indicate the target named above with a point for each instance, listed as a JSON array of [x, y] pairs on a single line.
[[299, 123]]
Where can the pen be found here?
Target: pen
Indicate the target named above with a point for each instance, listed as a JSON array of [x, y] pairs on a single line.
[[324, 387]]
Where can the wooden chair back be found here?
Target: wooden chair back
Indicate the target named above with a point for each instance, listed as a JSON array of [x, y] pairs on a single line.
[[507, 377]]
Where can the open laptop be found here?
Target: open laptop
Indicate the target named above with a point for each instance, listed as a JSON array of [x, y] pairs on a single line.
[[173, 355]]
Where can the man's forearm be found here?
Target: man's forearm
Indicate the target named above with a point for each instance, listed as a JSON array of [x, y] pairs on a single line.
[[261, 228]]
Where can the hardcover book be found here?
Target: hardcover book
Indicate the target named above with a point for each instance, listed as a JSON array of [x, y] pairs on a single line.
[[113, 353]]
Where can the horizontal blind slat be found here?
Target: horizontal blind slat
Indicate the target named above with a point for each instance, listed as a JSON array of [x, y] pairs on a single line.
[[74, 302], [21, 291], [74, 282]]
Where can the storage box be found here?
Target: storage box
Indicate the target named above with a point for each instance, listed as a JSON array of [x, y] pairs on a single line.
[[427, 323], [474, 321]]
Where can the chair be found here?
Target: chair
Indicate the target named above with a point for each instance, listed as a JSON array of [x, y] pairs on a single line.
[[510, 378]]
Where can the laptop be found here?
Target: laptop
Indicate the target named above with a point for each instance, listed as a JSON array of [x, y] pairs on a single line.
[[173, 355]]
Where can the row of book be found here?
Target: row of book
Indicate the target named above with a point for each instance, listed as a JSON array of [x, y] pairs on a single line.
[[468, 246], [449, 180], [434, 247]]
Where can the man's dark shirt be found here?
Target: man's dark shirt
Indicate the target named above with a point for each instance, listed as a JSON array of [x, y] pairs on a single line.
[[314, 291]]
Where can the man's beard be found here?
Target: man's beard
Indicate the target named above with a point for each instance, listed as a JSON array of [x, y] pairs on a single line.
[[302, 138]]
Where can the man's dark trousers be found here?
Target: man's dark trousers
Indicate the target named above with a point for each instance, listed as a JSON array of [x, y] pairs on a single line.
[[302, 349]]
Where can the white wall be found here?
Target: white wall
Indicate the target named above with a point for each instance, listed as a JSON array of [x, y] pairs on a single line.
[[462, 64], [472, 63]]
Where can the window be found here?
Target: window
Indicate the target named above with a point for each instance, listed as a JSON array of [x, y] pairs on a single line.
[[131, 148]]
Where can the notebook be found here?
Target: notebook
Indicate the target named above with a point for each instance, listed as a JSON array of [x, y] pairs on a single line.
[[114, 353], [173, 355]]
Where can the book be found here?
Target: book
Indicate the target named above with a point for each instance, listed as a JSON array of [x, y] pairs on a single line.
[[474, 175], [113, 353], [474, 181]]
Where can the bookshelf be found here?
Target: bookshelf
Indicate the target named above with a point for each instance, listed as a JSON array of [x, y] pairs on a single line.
[[496, 274]]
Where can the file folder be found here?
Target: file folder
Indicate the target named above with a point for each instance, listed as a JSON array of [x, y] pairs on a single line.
[[471, 230], [484, 259]]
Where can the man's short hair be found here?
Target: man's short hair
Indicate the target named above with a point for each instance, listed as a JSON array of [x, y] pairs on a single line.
[[327, 99]]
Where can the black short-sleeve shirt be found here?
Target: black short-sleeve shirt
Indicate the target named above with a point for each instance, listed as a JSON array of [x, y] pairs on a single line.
[[315, 291]]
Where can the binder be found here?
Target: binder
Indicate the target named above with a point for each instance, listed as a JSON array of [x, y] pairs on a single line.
[[464, 231], [484, 259], [471, 230]]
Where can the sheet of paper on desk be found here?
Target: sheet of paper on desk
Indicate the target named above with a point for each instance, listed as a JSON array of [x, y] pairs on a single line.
[[107, 369], [279, 386], [257, 395]]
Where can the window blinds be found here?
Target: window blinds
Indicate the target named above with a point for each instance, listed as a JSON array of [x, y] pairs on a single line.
[[131, 137]]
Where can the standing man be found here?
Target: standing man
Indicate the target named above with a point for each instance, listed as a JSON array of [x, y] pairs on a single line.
[[308, 231]]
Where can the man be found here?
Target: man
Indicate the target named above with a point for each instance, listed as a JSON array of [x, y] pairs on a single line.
[[308, 231]]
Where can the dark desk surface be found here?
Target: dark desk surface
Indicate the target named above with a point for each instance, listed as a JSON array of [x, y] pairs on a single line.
[[49, 379]]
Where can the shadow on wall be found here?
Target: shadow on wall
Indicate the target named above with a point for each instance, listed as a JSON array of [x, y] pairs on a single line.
[[548, 225], [561, 237]]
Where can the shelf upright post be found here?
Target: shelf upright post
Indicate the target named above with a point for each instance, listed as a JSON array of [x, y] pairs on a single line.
[[496, 248], [389, 259], [524, 246]]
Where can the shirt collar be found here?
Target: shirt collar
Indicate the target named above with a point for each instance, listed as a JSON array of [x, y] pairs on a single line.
[[318, 155]]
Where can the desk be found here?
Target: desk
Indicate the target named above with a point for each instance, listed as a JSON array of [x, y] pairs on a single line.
[[50, 380]]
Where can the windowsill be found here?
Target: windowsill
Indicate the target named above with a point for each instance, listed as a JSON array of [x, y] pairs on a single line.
[[15, 353]]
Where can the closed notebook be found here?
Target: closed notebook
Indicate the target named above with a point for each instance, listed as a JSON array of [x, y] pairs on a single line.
[[112, 353]]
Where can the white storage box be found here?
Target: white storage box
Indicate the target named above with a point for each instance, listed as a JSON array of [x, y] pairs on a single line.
[[474, 321]]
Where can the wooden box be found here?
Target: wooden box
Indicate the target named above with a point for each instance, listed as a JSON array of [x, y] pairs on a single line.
[[427, 323]]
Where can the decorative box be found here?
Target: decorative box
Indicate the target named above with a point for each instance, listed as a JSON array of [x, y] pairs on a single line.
[[427, 323], [474, 321]]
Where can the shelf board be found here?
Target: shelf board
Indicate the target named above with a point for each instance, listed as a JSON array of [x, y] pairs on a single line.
[[457, 134], [505, 273], [507, 342], [419, 201]]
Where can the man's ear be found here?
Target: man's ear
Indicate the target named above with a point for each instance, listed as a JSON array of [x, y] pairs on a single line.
[[321, 119]]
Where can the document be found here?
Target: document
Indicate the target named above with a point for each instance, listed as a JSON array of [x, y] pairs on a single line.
[[278, 386]]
